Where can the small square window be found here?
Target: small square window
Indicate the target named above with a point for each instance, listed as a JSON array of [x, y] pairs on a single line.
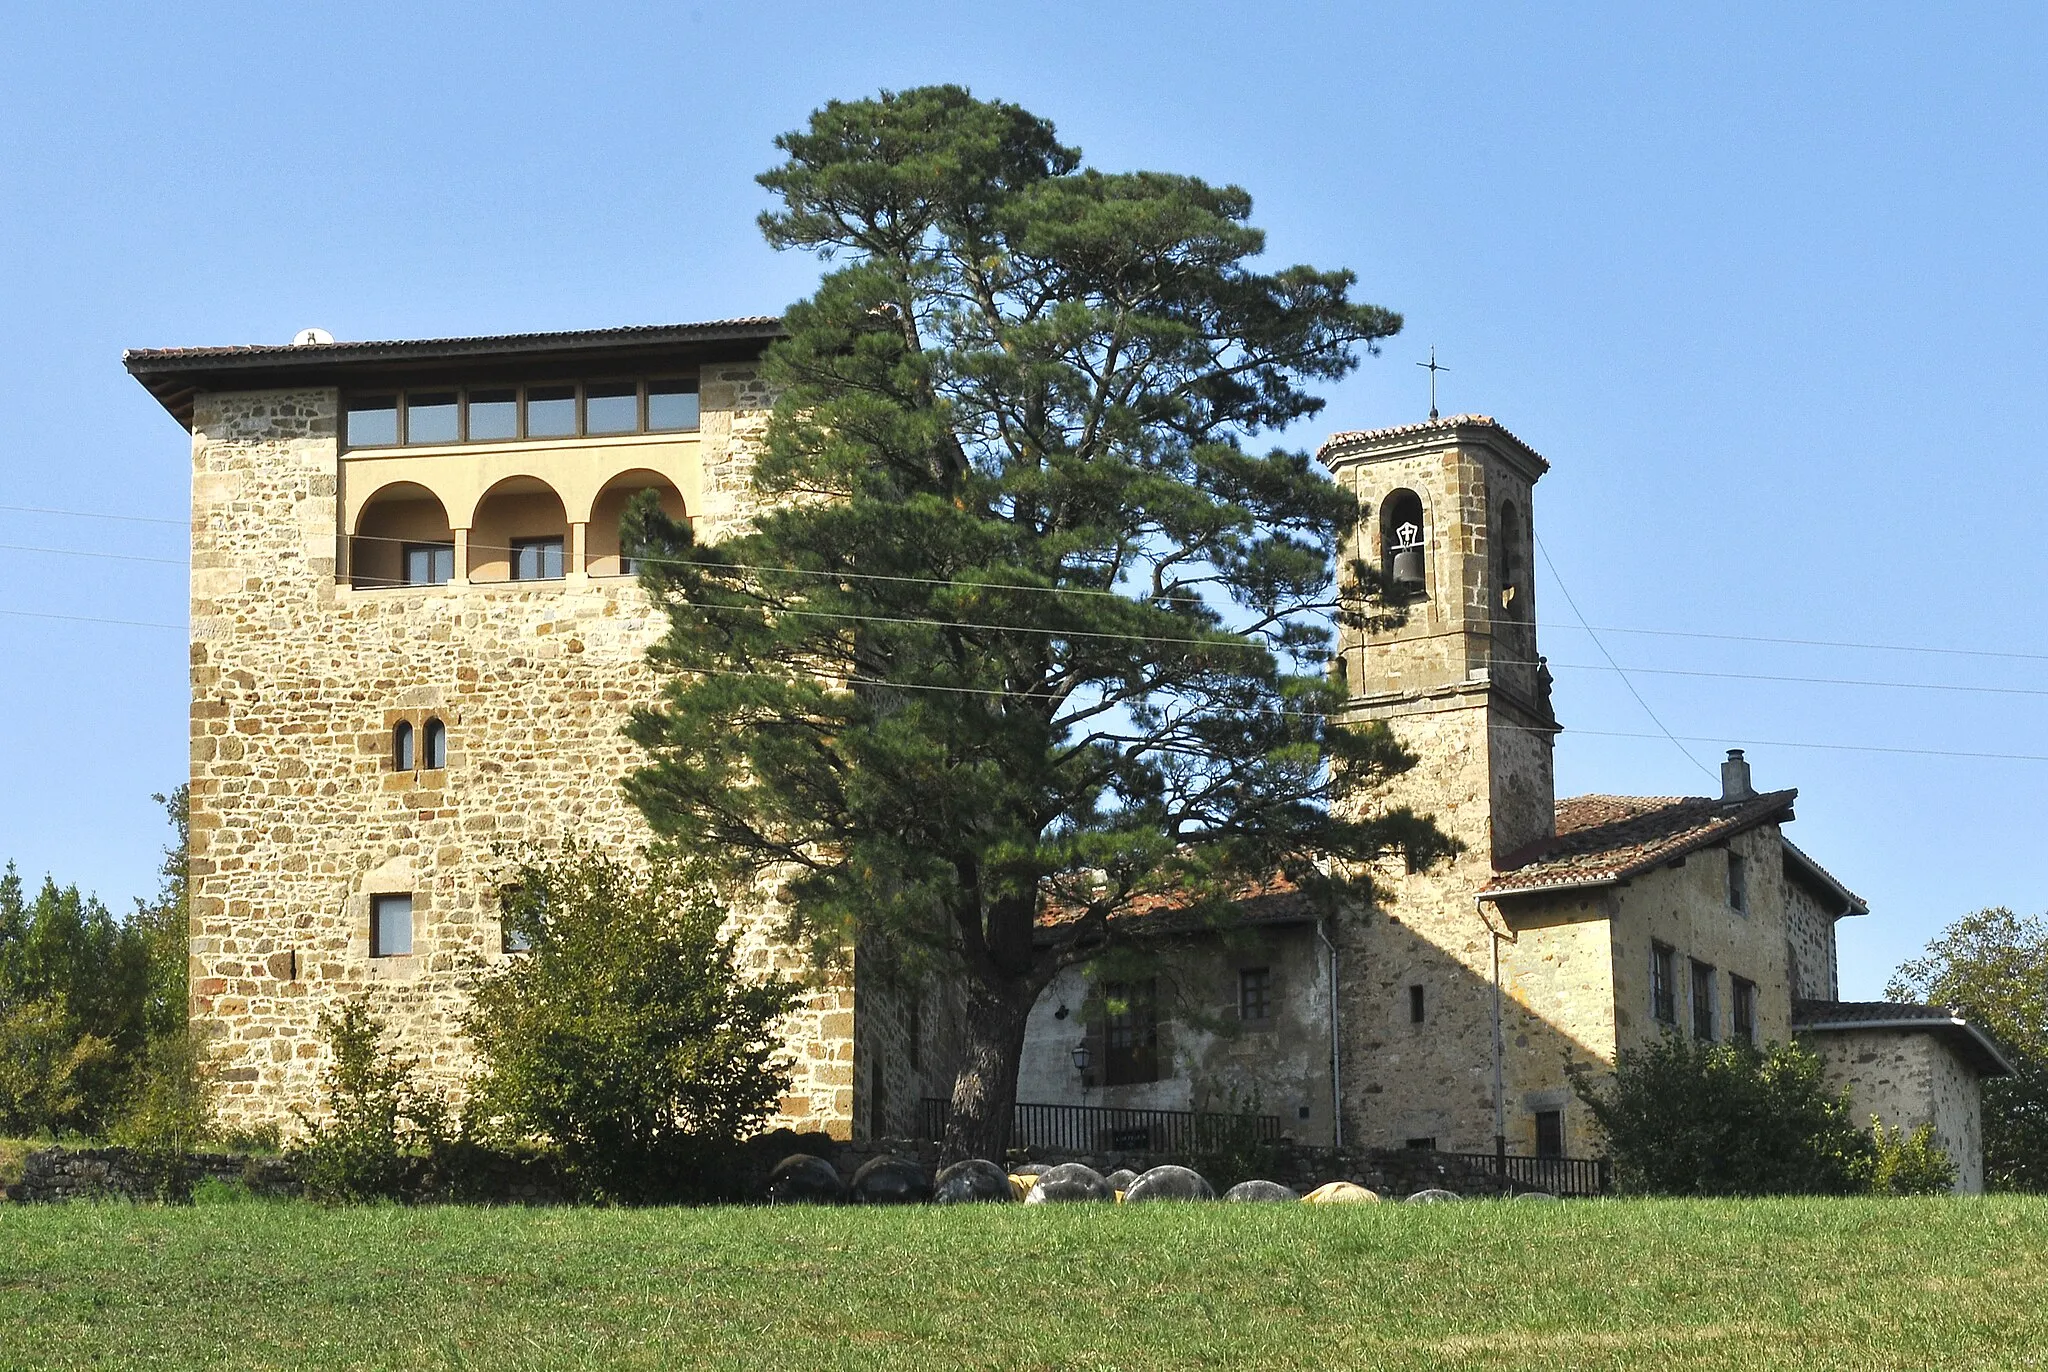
[[550, 411], [1255, 995], [1550, 1133], [371, 421], [1417, 1005], [432, 417], [536, 559], [494, 414], [611, 407], [390, 926], [672, 404]]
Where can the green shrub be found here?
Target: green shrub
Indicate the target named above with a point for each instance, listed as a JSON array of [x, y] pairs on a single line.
[[626, 1039], [49, 1071], [1903, 1164], [1713, 1119], [380, 1136]]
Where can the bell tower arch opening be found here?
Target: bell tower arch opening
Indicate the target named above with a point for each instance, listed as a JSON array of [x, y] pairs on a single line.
[[1447, 656]]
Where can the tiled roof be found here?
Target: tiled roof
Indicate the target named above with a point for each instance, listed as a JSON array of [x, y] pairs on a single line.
[[175, 375], [1862, 1016], [1605, 839], [146, 359], [1278, 901], [1450, 423]]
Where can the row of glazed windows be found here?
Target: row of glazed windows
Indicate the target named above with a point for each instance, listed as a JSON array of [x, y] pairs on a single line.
[[1703, 998], [497, 414], [531, 559]]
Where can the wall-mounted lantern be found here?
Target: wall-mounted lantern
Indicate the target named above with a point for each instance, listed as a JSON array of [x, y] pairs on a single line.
[[1081, 1056]]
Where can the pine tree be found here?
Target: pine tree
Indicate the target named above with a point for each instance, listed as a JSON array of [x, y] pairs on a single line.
[[1025, 623]]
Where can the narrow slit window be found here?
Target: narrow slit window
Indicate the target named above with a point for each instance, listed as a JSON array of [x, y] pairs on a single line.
[[1738, 882], [390, 926], [1742, 1010], [401, 747], [435, 737], [1703, 1001], [1663, 987], [1416, 1005]]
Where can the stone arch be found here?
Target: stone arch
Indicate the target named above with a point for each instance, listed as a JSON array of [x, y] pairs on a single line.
[[1404, 544], [1510, 568], [601, 538], [519, 531], [401, 538]]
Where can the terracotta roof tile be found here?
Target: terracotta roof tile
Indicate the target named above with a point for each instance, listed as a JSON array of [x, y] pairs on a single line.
[[1350, 437], [1605, 839], [1278, 901], [1854, 1016]]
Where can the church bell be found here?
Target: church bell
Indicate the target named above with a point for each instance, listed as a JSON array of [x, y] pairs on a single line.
[[1408, 558]]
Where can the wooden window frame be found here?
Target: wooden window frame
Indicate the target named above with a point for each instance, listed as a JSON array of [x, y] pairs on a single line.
[[401, 399], [1663, 987]]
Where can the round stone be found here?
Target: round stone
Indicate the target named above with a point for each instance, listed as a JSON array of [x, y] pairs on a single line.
[[1169, 1182], [1534, 1196], [1339, 1193], [1070, 1181], [1434, 1195], [1121, 1179], [890, 1180], [801, 1179], [1031, 1169], [1260, 1191], [976, 1179]]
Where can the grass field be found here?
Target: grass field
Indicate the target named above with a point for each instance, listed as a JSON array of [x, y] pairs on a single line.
[[1795, 1284]]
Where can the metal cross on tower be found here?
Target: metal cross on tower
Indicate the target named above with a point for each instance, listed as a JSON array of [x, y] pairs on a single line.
[[1432, 368]]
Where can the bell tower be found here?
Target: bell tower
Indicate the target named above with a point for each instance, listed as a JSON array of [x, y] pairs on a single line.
[[1449, 660]]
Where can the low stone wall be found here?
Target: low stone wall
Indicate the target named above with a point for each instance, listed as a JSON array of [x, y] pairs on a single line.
[[64, 1174]]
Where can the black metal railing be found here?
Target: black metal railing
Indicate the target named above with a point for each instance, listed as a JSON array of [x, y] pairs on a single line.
[[1558, 1176], [1110, 1129]]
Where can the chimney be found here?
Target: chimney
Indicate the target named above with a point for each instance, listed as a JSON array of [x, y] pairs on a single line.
[[1735, 777]]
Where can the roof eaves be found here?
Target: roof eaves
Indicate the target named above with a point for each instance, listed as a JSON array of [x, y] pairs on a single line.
[[1951, 1023], [1852, 904]]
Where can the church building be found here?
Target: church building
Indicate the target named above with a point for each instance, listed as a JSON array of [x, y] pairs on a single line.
[[415, 641]]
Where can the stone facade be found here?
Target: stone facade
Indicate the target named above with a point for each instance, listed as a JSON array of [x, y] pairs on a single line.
[[299, 817], [1907, 1078]]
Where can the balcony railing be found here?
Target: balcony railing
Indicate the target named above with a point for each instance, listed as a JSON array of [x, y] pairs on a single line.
[[1558, 1176], [1109, 1129]]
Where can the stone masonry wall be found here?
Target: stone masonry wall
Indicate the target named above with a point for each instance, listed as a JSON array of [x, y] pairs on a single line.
[[1908, 1078], [297, 817]]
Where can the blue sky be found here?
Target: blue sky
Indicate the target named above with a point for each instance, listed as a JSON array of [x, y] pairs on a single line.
[[1765, 283]]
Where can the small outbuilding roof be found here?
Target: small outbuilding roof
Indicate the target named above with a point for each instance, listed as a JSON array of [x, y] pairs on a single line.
[[1273, 902], [1603, 840], [1866, 1016]]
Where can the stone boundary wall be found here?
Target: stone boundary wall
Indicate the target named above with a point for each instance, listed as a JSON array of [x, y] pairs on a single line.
[[66, 1174]]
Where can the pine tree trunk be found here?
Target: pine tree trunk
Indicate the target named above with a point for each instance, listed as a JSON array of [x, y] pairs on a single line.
[[986, 1089]]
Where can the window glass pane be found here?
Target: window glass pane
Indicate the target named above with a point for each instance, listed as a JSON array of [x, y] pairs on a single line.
[[550, 411], [372, 420], [437, 744], [390, 926], [429, 564], [401, 747], [672, 404], [494, 414], [536, 559], [430, 417], [611, 407], [512, 941]]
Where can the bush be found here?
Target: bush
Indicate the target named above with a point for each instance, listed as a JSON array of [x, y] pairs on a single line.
[[626, 1038], [381, 1136], [1707, 1119], [1903, 1164], [49, 1071]]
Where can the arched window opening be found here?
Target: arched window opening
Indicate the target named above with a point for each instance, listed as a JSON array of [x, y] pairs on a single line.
[[436, 741], [1510, 589], [520, 533], [604, 552], [401, 747], [1403, 538], [401, 538]]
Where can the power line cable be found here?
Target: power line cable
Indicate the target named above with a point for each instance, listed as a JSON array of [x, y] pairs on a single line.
[[89, 619], [110, 557], [1616, 665], [95, 514]]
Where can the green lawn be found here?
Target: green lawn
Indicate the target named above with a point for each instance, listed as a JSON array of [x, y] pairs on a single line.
[[1805, 1284]]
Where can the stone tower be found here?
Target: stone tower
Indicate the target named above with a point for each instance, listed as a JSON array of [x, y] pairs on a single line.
[[1445, 515]]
